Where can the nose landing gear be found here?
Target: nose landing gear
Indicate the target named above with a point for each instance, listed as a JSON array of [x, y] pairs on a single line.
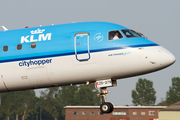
[[105, 107]]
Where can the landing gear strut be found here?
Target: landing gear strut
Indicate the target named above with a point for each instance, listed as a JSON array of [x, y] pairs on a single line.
[[105, 107]]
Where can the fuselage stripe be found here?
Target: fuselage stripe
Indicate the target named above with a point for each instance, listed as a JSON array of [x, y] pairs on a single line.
[[73, 53]]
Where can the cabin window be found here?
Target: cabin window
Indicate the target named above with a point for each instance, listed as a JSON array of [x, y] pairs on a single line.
[[33, 45], [5, 48], [19, 47], [129, 33], [114, 35]]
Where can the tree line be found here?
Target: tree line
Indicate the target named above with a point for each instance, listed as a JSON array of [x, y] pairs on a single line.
[[144, 94], [25, 105]]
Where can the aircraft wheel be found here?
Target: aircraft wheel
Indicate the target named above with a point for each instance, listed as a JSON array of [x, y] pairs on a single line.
[[111, 107], [106, 107]]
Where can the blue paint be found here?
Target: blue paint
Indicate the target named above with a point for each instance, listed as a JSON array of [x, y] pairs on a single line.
[[35, 62], [58, 40]]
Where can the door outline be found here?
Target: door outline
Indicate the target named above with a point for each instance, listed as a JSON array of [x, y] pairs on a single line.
[[42, 80], [86, 52]]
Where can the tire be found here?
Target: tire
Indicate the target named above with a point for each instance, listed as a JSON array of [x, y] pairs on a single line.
[[105, 107], [111, 107]]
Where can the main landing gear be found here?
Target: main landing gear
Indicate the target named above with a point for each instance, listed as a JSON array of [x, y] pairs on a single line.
[[105, 107]]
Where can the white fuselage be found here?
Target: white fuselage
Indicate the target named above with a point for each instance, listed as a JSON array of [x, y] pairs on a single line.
[[66, 70]]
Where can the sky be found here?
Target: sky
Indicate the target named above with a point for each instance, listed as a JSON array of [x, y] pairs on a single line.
[[159, 20]]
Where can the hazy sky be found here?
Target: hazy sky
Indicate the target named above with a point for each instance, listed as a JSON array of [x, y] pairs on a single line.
[[159, 20]]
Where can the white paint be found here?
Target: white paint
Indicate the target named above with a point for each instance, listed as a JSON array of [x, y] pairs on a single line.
[[45, 37], [63, 71], [31, 38], [38, 31], [103, 83]]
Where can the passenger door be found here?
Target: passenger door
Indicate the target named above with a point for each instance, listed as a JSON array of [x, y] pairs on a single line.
[[81, 43]]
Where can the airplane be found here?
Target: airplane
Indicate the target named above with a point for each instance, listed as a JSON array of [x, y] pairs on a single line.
[[77, 53]]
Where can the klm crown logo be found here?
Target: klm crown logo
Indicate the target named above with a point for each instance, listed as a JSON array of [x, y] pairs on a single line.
[[38, 31]]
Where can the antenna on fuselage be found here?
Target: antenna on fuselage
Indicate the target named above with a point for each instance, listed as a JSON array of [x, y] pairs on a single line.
[[5, 29]]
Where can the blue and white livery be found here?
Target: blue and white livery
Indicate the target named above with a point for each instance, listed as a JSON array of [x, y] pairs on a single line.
[[76, 53]]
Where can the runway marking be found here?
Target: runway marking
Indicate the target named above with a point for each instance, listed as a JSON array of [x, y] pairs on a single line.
[[4, 83]]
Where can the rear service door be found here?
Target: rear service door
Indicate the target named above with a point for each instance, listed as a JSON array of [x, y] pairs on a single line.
[[81, 43]]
